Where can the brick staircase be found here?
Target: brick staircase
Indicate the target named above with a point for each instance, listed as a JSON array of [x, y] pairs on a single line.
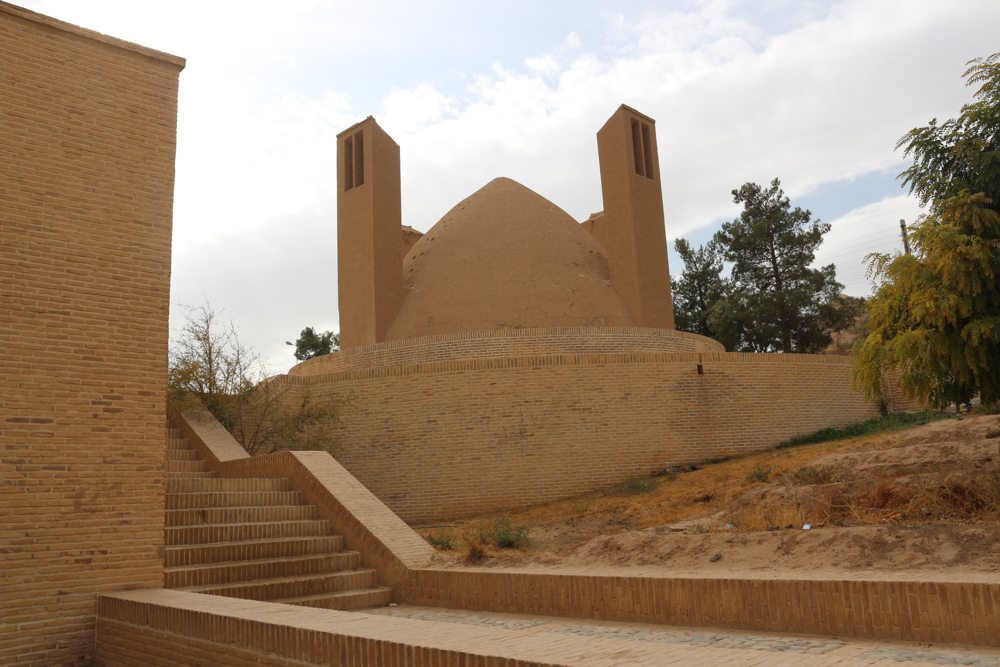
[[255, 539]]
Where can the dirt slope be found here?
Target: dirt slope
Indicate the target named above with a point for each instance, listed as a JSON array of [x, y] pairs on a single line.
[[925, 500]]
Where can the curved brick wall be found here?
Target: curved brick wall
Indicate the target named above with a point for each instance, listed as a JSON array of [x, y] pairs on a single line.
[[449, 439], [506, 343]]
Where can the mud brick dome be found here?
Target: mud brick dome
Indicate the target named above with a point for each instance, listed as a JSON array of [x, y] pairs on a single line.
[[506, 258]]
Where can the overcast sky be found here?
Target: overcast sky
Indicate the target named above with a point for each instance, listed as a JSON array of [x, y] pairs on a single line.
[[814, 93]]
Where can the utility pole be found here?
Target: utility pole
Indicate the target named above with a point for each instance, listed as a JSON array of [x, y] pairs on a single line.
[[906, 240]]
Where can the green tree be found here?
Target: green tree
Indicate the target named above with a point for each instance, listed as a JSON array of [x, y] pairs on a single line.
[[699, 287], [774, 301], [209, 367], [311, 344], [935, 315]]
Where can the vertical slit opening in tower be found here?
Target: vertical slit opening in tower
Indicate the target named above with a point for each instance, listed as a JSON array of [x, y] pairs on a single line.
[[640, 161], [359, 159], [647, 150], [348, 163]]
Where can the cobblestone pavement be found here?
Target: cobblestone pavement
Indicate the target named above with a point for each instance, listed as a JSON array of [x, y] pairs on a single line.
[[695, 638], [930, 656]]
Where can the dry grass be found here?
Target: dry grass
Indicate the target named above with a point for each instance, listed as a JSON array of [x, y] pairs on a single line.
[[477, 537], [679, 495], [768, 490], [475, 551], [770, 514]]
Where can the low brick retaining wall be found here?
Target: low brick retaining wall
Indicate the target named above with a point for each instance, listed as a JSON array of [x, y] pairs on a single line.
[[451, 439], [884, 608]]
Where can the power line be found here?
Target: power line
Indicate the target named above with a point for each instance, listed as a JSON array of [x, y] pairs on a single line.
[[858, 238], [854, 253], [878, 241]]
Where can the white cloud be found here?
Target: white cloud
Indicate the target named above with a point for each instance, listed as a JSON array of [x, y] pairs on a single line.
[[544, 65], [406, 111], [272, 283], [870, 228]]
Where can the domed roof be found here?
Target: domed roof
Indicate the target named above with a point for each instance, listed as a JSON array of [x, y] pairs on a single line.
[[506, 258]]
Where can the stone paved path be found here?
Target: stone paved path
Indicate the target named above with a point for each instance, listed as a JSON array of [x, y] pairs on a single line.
[[860, 651]]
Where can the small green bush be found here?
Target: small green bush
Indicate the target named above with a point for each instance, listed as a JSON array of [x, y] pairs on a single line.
[[506, 536], [995, 433], [442, 539], [633, 486]]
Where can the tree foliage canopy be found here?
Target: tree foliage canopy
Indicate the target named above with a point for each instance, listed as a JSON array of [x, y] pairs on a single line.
[[935, 316], [311, 344], [699, 287], [773, 300], [210, 367]]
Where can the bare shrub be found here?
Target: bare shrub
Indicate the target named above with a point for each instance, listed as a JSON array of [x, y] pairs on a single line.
[[808, 476], [210, 367]]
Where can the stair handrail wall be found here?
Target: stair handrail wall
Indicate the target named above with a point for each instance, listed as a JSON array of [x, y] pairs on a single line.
[[213, 442]]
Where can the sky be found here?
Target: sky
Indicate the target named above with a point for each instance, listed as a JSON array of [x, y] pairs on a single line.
[[814, 93]]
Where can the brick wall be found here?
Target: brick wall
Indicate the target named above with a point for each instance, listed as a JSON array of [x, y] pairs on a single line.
[[87, 139], [503, 343], [451, 439], [902, 608]]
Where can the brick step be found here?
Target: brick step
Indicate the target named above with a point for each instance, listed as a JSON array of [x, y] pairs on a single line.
[[245, 532], [269, 568], [183, 501], [213, 515], [376, 596], [226, 485], [204, 554], [186, 466], [182, 455], [292, 587], [207, 474], [178, 443]]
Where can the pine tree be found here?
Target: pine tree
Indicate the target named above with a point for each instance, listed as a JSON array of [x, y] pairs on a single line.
[[774, 301], [311, 344], [699, 287]]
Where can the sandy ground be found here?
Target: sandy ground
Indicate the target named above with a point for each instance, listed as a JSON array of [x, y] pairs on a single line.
[[957, 533]]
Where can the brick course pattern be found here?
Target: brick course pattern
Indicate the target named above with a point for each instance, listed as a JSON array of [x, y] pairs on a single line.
[[87, 141], [963, 612], [450, 439], [505, 343]]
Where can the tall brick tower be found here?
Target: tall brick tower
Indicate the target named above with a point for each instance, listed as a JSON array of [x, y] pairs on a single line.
[[369, 252], [631, 227]]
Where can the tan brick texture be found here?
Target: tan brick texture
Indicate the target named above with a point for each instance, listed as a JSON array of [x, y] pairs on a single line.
[[446, 439], [87, 141]]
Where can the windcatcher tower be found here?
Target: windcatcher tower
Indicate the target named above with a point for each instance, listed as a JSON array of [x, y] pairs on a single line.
[[631, 226], [369, 220]]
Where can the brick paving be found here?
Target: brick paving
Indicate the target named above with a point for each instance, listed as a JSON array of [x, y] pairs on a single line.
[[730, 645]]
